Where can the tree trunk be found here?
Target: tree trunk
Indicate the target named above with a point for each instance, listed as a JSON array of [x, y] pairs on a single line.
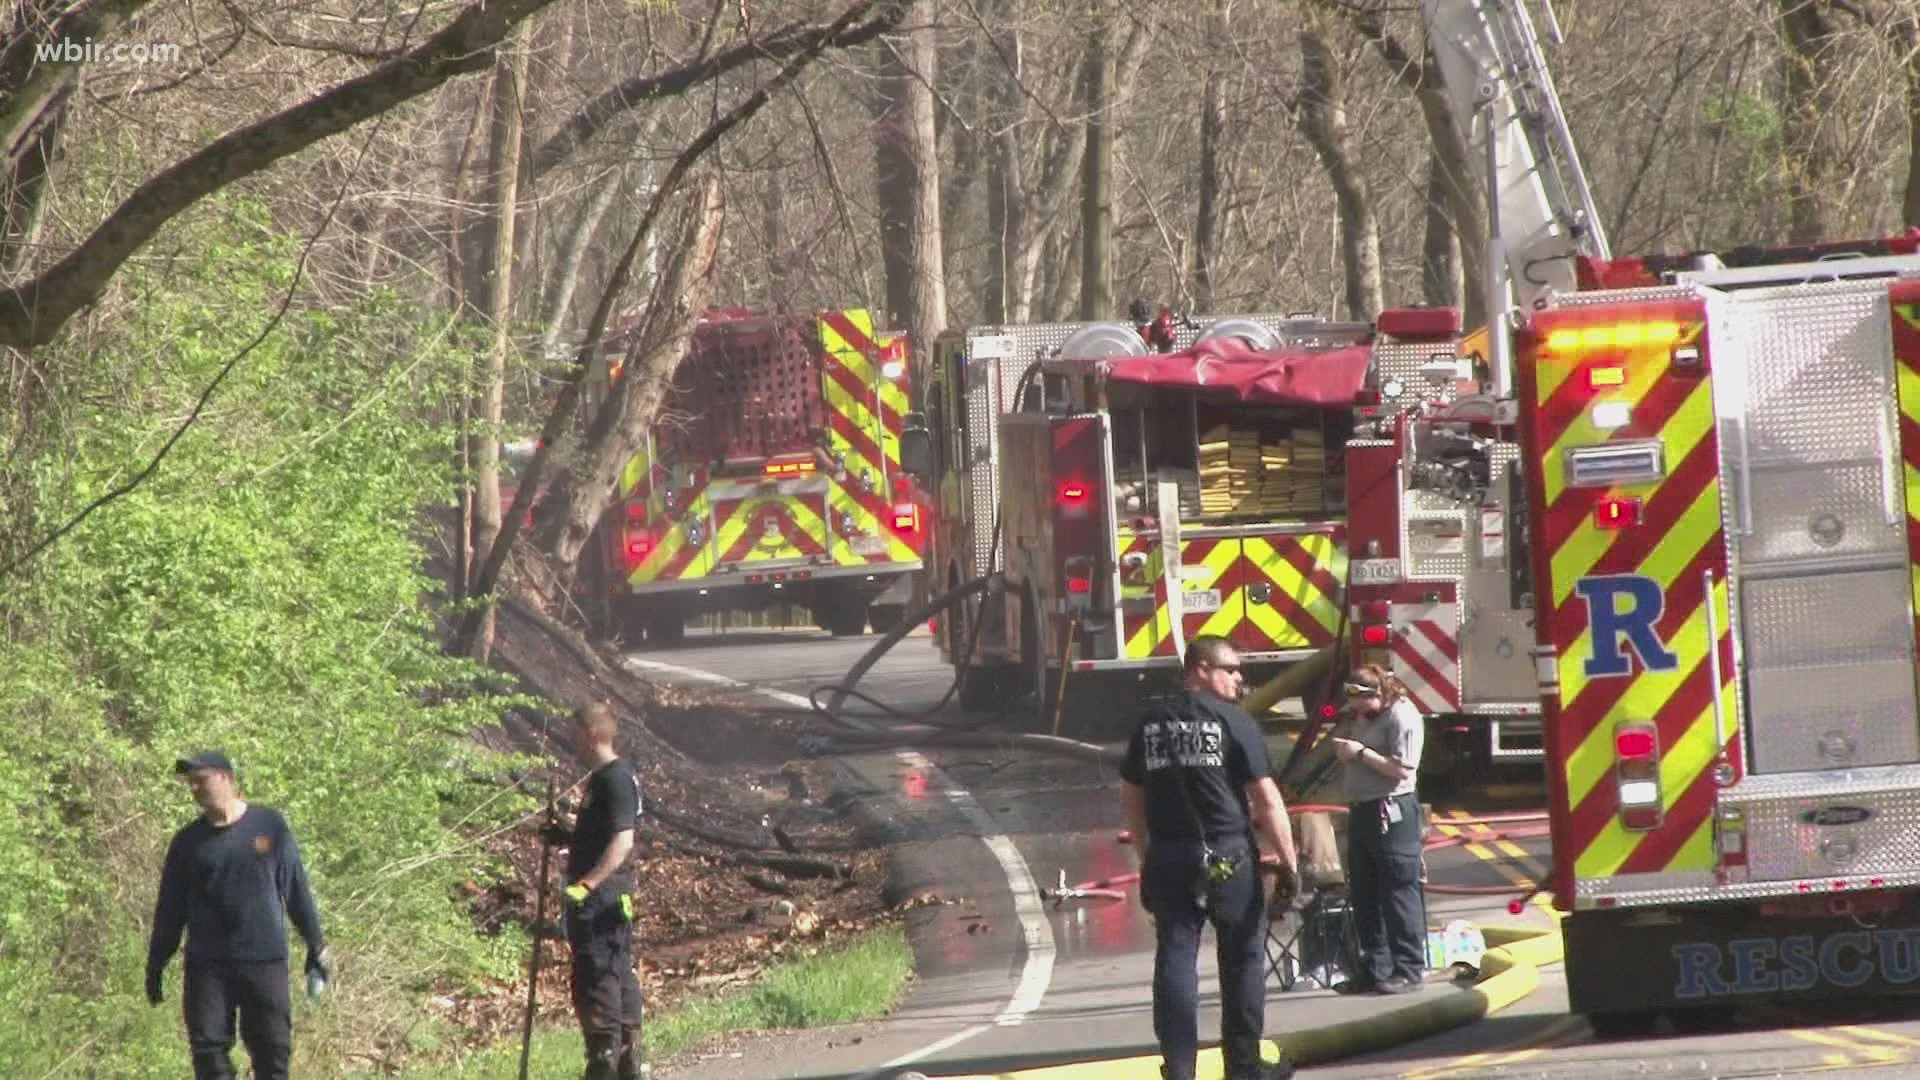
[[1005, 67], [1096, 197], [1439, 247], [907, 170], [26, 189], [1907, 37], [1323, 119], [620, 424], [503, 196], [1807, 107], [1206, 222]]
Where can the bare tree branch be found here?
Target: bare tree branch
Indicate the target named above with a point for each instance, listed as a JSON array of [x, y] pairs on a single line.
[[34, 311]]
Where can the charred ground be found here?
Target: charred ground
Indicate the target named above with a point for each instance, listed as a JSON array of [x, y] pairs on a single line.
[[743, 855]]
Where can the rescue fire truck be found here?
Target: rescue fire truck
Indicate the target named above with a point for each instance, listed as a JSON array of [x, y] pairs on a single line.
[[772, 476], [1720, 456]]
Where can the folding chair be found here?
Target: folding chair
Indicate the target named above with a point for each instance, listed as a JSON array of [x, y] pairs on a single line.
[[1316, 940]]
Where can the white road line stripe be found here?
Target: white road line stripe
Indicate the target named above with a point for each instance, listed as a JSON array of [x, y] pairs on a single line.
[[1036, 933]]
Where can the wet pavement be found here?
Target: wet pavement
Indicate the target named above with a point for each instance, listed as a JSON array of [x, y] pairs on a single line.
[[1007, 978]]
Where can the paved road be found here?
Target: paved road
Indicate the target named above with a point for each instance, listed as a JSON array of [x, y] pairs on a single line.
[[1007, 978]]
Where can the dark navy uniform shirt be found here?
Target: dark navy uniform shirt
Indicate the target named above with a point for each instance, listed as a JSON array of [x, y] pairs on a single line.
[[611, 804], [1219, 748], [231, 888]]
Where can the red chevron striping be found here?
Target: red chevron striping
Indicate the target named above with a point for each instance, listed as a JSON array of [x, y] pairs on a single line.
[[864, 394], [1404, 651], [1632, 547], [1909, 441], [1676, 715], [790, 530], [1584, 713], [1300, 619], [1297, 556], [1656, 407], [1441, 640]]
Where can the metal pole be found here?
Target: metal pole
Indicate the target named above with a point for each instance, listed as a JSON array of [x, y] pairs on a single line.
[[1499, 347], [539, 913]]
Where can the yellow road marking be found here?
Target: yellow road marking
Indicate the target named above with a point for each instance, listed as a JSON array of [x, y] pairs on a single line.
[[1539, 1042], [1864, 1032], [1866, 1052]]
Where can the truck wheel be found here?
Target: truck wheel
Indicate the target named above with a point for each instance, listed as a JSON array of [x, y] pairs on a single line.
[[982, 689], [666, 627], [884, 618]]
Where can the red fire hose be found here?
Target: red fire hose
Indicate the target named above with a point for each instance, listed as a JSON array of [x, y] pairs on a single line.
[[1107, 888]]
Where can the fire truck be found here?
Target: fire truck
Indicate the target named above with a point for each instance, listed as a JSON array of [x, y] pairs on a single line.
[[1138, 485], [772, 476], [1720, 459]]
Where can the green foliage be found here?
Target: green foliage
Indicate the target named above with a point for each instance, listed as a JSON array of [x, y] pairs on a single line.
[[858, 981], [263, 592]]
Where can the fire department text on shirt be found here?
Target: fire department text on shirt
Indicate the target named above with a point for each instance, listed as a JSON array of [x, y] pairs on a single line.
[[1192, 743]]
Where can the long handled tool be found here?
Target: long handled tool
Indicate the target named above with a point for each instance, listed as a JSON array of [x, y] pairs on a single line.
[[539, 913]]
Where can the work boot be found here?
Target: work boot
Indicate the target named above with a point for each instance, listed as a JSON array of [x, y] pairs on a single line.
[[603, 1053], [629, 1067]]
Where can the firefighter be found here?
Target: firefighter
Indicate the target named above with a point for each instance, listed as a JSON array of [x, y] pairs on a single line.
[[1196, 789], [1380, 746], [232, 877], [598, 902]]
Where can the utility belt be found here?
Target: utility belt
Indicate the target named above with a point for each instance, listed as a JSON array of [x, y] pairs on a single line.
[[1388, 810]]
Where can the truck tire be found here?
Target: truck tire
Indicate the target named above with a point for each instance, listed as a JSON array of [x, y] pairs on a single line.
[[883, 618], [982, 688]]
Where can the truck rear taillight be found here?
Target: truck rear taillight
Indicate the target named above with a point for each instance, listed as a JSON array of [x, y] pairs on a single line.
[[1073, 494], [906, 518], [1606, 376], [1636, 750], [1377, 635], [1616, 513], [639, 546], [636, 511]]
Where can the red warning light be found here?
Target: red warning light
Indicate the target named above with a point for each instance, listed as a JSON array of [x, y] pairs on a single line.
[[1606, 377], [1073, 493], [1633, 743], [1079, 585], [1375, 635], [1616, 513]]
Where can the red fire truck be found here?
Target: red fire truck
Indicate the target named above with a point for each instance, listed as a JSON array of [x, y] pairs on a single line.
[[1720, 457], [1134, 499], [772, 475]]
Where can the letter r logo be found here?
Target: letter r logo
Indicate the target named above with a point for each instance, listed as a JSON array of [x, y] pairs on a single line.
[[1624, 606]]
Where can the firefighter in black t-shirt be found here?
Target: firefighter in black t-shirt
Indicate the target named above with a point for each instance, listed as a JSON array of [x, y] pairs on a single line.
[[599, 902], [1196, 790]]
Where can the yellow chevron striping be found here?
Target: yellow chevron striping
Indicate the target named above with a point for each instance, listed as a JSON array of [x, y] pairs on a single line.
[[740, 517], [1593, 758], [1664, 564], [653, 567], [857, 362], [1641, 374], [1588, 543], [1679, 767], [1259, 550], [839, 501]]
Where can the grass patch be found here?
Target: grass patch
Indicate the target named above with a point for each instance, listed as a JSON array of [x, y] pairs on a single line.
[[861, 980]]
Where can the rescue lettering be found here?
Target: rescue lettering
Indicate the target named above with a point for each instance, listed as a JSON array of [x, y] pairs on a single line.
[[1624, 606], [1702, 969]]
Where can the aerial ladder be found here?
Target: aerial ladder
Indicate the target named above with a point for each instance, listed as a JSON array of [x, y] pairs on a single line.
[[1439, 588]]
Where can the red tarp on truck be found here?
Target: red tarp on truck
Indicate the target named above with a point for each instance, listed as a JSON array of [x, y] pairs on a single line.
[[1327, 377]]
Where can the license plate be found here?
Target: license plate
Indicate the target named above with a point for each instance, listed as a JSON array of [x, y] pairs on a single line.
[[1375, 571], [1201, 600], [868, 545]]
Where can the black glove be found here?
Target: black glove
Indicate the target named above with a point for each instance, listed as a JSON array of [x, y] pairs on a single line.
[[320, 960], [154, 996], [1286, 888]]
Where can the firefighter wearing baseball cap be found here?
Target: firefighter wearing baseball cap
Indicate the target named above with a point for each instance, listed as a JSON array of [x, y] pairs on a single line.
[[231, 879]]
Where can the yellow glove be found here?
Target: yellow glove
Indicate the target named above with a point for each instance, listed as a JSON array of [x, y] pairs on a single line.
[[576, 893]]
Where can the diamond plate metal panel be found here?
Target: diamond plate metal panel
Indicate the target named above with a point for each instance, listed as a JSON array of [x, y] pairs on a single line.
[[1830, 671], [1402, 361], [1787, 839], [1821, 510]]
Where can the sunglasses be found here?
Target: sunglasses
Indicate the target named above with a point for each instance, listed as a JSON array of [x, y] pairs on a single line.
[[1228, 668], [1355, 689]]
